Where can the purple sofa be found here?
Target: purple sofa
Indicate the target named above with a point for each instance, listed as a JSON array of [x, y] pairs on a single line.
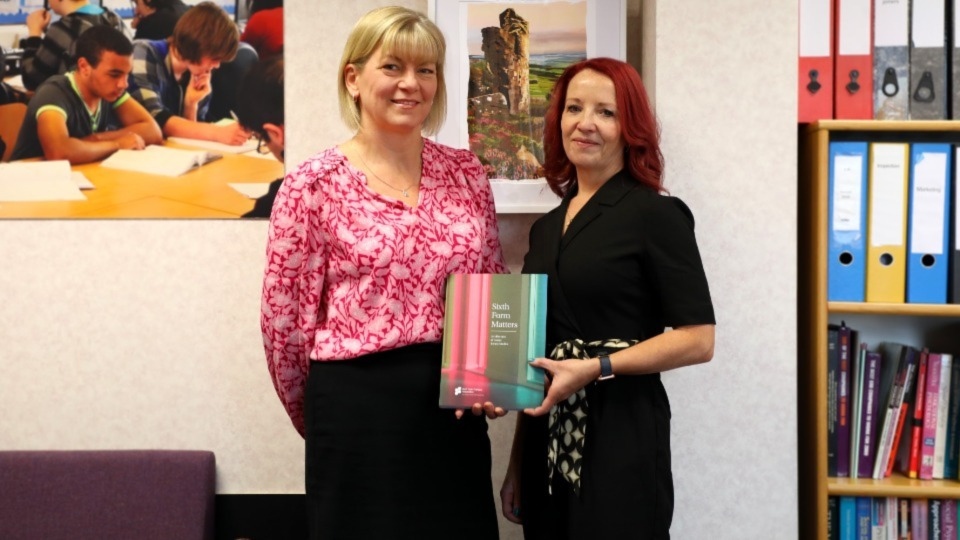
[[107, 494]]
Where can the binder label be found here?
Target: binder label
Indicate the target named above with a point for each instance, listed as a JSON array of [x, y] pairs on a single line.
[[815, 28], [854, 35], [886, 195], [928, 16], [848, 172], [927, 208], [889, 28]]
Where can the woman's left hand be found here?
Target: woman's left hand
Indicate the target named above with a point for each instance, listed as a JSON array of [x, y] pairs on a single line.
[[492, 411], [564, 377]]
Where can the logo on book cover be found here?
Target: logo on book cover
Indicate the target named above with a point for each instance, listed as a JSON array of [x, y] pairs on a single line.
[[466, 391]]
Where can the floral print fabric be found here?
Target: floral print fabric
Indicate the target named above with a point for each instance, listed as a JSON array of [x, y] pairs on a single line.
[[351, 272]]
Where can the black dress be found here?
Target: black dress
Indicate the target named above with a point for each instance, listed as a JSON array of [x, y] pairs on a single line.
[[627, 267]]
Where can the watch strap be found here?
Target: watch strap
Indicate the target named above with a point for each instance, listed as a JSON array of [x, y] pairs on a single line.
[[606, 369]]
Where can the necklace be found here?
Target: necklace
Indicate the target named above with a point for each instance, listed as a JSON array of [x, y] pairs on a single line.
[[404, 191]]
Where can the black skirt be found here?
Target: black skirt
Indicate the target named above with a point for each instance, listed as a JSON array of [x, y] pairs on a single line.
[[384, 461], [626, 488]]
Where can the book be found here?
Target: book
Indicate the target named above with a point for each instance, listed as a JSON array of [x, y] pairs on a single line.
[[950, 465], [948, 518], [249, 146], [833, 396], [868, 419], [159, 160], [931, 401], [847, 346], [900, 358], [943, 407], [856, 393], [909, 391], [493, 327], [909, 453]]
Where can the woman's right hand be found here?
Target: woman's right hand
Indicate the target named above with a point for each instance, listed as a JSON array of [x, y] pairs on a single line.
[[510, 494]]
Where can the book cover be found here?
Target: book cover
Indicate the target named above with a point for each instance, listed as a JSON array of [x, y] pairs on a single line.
[[931, 400], [494, 326]]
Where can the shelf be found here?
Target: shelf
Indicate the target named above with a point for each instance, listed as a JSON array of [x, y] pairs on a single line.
[[894, 486], [886, 125], [921, 310]]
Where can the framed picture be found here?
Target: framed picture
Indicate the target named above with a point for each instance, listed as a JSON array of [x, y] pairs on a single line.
[[503, 57]]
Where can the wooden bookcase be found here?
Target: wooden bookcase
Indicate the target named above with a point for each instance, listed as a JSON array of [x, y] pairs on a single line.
[[814, 313]]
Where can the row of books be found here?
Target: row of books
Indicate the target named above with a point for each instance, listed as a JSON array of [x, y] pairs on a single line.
[[892, 408], [891, 518], [883, 59], [890, 210]]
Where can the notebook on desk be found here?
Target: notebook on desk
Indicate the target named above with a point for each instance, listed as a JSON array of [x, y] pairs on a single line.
[[249, 145], [159, 160]]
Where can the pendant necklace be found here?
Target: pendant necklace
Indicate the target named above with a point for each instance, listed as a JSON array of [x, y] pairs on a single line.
[[404, 191]]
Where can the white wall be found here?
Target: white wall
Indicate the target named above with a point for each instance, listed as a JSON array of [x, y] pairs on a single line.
[[144, 334]]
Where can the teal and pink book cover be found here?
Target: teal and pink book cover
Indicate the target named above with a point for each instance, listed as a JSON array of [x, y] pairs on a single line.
[[494, 326]]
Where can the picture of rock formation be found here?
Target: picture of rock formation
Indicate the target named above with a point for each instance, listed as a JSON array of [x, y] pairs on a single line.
[[519, 51]]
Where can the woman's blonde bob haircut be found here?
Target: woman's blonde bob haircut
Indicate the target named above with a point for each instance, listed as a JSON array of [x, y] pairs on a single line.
[[405, 34]]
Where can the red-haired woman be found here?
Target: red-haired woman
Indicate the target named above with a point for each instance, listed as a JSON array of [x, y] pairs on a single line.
[[593, 460]]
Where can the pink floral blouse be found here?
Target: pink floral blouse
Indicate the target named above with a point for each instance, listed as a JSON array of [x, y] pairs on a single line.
[[351, 272]]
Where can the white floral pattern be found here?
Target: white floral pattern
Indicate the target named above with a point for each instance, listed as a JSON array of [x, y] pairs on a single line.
[[351, 272]]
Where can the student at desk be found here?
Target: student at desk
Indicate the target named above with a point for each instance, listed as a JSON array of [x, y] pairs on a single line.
[[86, 115], [260, 109], [171, 77], [48, 49]]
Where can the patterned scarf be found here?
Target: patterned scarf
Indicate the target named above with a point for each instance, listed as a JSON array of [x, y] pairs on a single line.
[[567, 427]]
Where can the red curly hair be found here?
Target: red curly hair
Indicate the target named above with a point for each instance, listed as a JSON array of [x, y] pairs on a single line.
[[638, 127]]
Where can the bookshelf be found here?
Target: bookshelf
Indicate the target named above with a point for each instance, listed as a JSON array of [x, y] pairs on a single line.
[[815, 312]]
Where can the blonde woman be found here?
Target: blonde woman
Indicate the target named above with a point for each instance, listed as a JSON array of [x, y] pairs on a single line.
[[362, 238]]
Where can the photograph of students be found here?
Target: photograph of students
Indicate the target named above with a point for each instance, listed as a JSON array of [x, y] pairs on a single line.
[[593, 460], [361, 240], [86, 114]]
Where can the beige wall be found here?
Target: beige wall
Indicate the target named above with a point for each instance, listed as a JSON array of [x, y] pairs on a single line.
[[144, 334]]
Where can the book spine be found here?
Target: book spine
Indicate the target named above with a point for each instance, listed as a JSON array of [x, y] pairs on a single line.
[[912, 466], [848, 518], [918, 518], [843, 402], [930, 401], [868, 442], [864, 524], [902, 412], [878, 520], [933, 519], [943, 408], [950, 469], [833, 404], [948, 519], [895, 361]]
